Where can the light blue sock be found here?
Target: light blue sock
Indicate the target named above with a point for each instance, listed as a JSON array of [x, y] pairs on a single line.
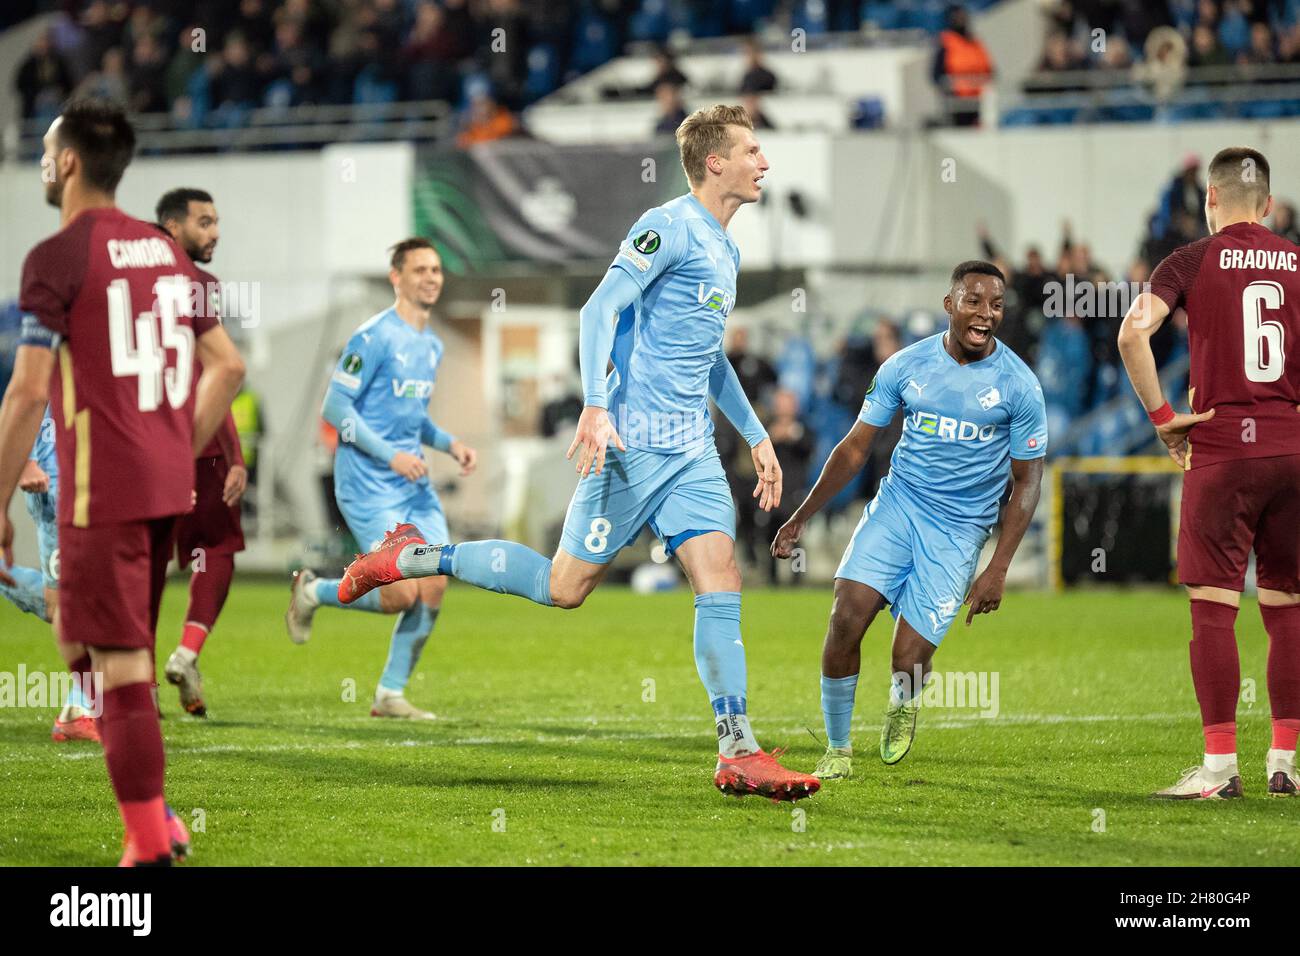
[[837, 707], [28, 594], [720, 661], [327, 594], [409, 634], [501, 566], [77, 696], [719, 653]]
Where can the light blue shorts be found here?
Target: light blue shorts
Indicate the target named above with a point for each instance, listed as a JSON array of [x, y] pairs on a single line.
[[369, 521], [44, 509], [922, 565], [676, 495]]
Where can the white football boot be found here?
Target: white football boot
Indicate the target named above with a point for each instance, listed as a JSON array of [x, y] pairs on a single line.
[[302, 605], [1282, 778], [1201, 783]]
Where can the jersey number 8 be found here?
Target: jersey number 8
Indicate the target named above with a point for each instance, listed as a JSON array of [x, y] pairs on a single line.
[[598, 540]]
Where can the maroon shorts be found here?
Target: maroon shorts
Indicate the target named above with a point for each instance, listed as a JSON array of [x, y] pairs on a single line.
[[112, 577], [212, 526], [1234, 506]]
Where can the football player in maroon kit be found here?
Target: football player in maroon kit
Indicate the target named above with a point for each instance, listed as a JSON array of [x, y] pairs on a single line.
[[129, 419], [1240, 451], [212, 534]]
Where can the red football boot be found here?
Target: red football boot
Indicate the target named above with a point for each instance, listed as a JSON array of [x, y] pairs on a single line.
[[78, 728], [378, 567], [760, 773], [179, 835]]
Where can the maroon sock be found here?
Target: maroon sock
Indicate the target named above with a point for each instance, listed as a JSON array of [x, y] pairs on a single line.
[[84, 673], [208, 590], [133, 750], [1283, 627], [1216, 672]]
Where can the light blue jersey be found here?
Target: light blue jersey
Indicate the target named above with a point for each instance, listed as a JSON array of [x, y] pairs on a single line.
[[963, 425], [667, 343], [43, 449], [387, 373], [919, 540], [43, 506]]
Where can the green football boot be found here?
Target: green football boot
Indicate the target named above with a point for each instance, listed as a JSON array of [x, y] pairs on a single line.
[[899, 730], [836, 764]]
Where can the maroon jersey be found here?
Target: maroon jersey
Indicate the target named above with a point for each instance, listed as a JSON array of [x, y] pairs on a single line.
[[117, 295], [225, 443], [1241, 290]]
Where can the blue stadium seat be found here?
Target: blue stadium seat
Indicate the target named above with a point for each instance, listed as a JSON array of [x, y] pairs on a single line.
[[930, 16], [707, 20], [543, 72], [1183, 112], [594, 43], [810, 16], [1129, 113], [369, 88], [1263, 109], [868, 113], [884, 15], [652, 22]]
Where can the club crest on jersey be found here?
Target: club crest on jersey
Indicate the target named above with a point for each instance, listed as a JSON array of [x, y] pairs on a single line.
[[988, 397], [715, 300], [647, 243], [950, 429], [412, 388]]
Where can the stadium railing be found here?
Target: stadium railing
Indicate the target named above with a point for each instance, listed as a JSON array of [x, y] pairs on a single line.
[[278, 127], [1122, 95]]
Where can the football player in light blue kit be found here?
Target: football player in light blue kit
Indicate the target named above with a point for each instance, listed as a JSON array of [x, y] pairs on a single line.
[[35, 590], [659, 314], [973, 415], [378, 399]]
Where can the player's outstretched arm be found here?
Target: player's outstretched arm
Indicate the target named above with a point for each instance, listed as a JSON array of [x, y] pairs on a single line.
[[728, 394], [339, 411], [445, 441], [223, 373], [1145, 316], [617, 290], [844, 463], [1026, 484], [21, 412]]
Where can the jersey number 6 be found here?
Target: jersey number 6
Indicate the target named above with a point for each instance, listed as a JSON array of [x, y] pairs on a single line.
[[1265, 359]]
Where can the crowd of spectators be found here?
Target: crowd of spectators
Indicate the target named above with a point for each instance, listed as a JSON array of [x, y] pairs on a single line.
[[210, 62], [1165, 45], [1074, 349]]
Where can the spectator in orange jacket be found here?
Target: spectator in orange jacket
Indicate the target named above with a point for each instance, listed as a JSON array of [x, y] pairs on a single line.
[[962, 67], [485, 121]]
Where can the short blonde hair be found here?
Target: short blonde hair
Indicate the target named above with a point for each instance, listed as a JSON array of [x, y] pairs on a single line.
[[705, 133]]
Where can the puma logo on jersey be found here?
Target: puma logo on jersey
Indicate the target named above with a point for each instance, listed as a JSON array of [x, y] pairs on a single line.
[[911, 383], [412, 388], [716, 300]]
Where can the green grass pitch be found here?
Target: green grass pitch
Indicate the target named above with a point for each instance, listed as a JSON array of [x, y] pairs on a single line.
[[548, 750]]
